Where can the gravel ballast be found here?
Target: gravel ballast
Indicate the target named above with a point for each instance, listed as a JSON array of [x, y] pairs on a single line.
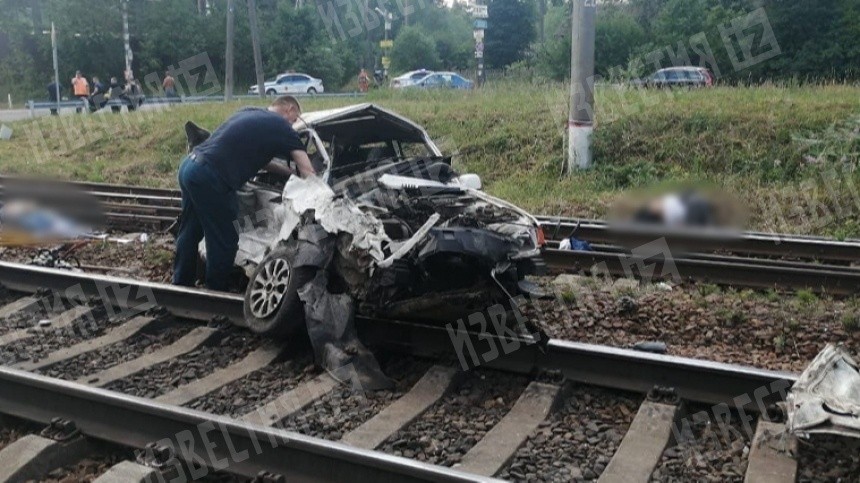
[[48, 339], [256, 389], [26, 319], [778, 331], [343, 410], [707, 450], [109, 356], [828, 458], [577, 441], [162, 378], [447, 431]]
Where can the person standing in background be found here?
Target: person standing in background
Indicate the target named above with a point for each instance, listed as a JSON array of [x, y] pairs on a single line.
[[169, 85], [53, 90], [363, 81], [80, 88]]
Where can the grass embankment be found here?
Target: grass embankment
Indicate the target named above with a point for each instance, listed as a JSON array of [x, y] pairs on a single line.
[[788, 156]]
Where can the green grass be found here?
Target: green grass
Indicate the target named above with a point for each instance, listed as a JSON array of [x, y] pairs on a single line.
[[785, 155]]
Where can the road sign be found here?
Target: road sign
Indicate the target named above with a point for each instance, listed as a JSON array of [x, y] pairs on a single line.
[[479, 35], [480, 11], [386, 62], [479, 54], [480, 24], [386, 44], [479, 47]]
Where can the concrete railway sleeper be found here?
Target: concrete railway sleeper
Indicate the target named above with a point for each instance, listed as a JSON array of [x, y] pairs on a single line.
[[563, 412]]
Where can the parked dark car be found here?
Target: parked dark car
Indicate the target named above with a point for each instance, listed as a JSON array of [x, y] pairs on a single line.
[[678, 77]]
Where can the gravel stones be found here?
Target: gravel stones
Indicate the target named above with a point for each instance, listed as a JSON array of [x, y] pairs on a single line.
[[826, 458], [343, 409], [779, 331], [256, 389], [707, 450], [109, 356], [577, 441], [47, 339], [450, 428], [26, 319], [162, 378]]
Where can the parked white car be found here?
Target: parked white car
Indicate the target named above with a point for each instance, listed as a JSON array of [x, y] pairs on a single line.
[[410, 78], [291, 83]]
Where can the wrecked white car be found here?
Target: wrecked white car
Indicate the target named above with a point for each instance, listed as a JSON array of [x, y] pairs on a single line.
[[388, 225]]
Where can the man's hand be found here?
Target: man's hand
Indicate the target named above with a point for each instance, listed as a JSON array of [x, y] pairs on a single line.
[[302, 161], [278, 167]]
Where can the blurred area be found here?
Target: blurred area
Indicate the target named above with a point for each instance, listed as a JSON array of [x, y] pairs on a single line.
[[40, 211], [679, 207]]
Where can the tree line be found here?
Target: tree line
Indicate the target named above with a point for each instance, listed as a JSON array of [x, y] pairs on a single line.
[[333, 39]]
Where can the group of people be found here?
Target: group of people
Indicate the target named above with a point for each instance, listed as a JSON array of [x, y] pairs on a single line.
[[97, 94]]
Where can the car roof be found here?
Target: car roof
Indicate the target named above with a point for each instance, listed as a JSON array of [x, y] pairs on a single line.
[[374, 116], [683, 67], [413, 72]]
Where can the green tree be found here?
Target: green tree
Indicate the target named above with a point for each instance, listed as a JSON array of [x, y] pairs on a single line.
[[413, 49], [617, 36], [511, 30]]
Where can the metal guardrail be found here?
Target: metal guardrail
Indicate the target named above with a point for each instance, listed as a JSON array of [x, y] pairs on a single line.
[[34, 105]]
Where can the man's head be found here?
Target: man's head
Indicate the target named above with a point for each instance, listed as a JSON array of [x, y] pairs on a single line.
[[113, 80], [95, 79], [287, 107]]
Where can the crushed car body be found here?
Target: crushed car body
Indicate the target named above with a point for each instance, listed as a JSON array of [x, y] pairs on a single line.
[[826, 397], [415, 239], [392, 226]]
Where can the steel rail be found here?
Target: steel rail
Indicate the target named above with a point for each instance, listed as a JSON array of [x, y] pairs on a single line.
[[97, 187], [716, 258], [617, 368], [596, 231], [704, 240], [725, 271], [218, 442]]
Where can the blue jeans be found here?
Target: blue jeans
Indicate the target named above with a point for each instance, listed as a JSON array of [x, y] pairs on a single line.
[[209, 208]]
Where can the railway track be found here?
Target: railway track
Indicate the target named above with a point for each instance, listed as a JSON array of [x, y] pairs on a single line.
[[136, 364], [814, 263]]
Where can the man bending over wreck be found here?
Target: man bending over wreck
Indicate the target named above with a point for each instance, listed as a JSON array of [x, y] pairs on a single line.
[[210, 176]]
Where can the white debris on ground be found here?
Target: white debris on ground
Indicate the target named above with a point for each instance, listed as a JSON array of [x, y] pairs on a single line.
[[826, 397]]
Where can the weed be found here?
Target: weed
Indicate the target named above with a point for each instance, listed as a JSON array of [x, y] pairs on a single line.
[[779, 343], [805, 297], [706, 289], [851, 321], [569, 296]]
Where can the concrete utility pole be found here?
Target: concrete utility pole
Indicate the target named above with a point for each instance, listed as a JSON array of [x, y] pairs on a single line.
[[580, 124], [480, 13], [129, 56], [228, 56], [255, 42], [56, 65]]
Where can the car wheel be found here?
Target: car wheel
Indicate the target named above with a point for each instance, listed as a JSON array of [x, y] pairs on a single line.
[[311, 90], [272, 304], [271, 92]]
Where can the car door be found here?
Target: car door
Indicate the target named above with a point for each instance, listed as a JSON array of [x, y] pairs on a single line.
[[284, 84], [301, 83], [432, 81]]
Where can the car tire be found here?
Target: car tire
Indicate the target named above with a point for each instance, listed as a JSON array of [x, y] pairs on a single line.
[[271, 92], [311, 90], [272, 304]]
